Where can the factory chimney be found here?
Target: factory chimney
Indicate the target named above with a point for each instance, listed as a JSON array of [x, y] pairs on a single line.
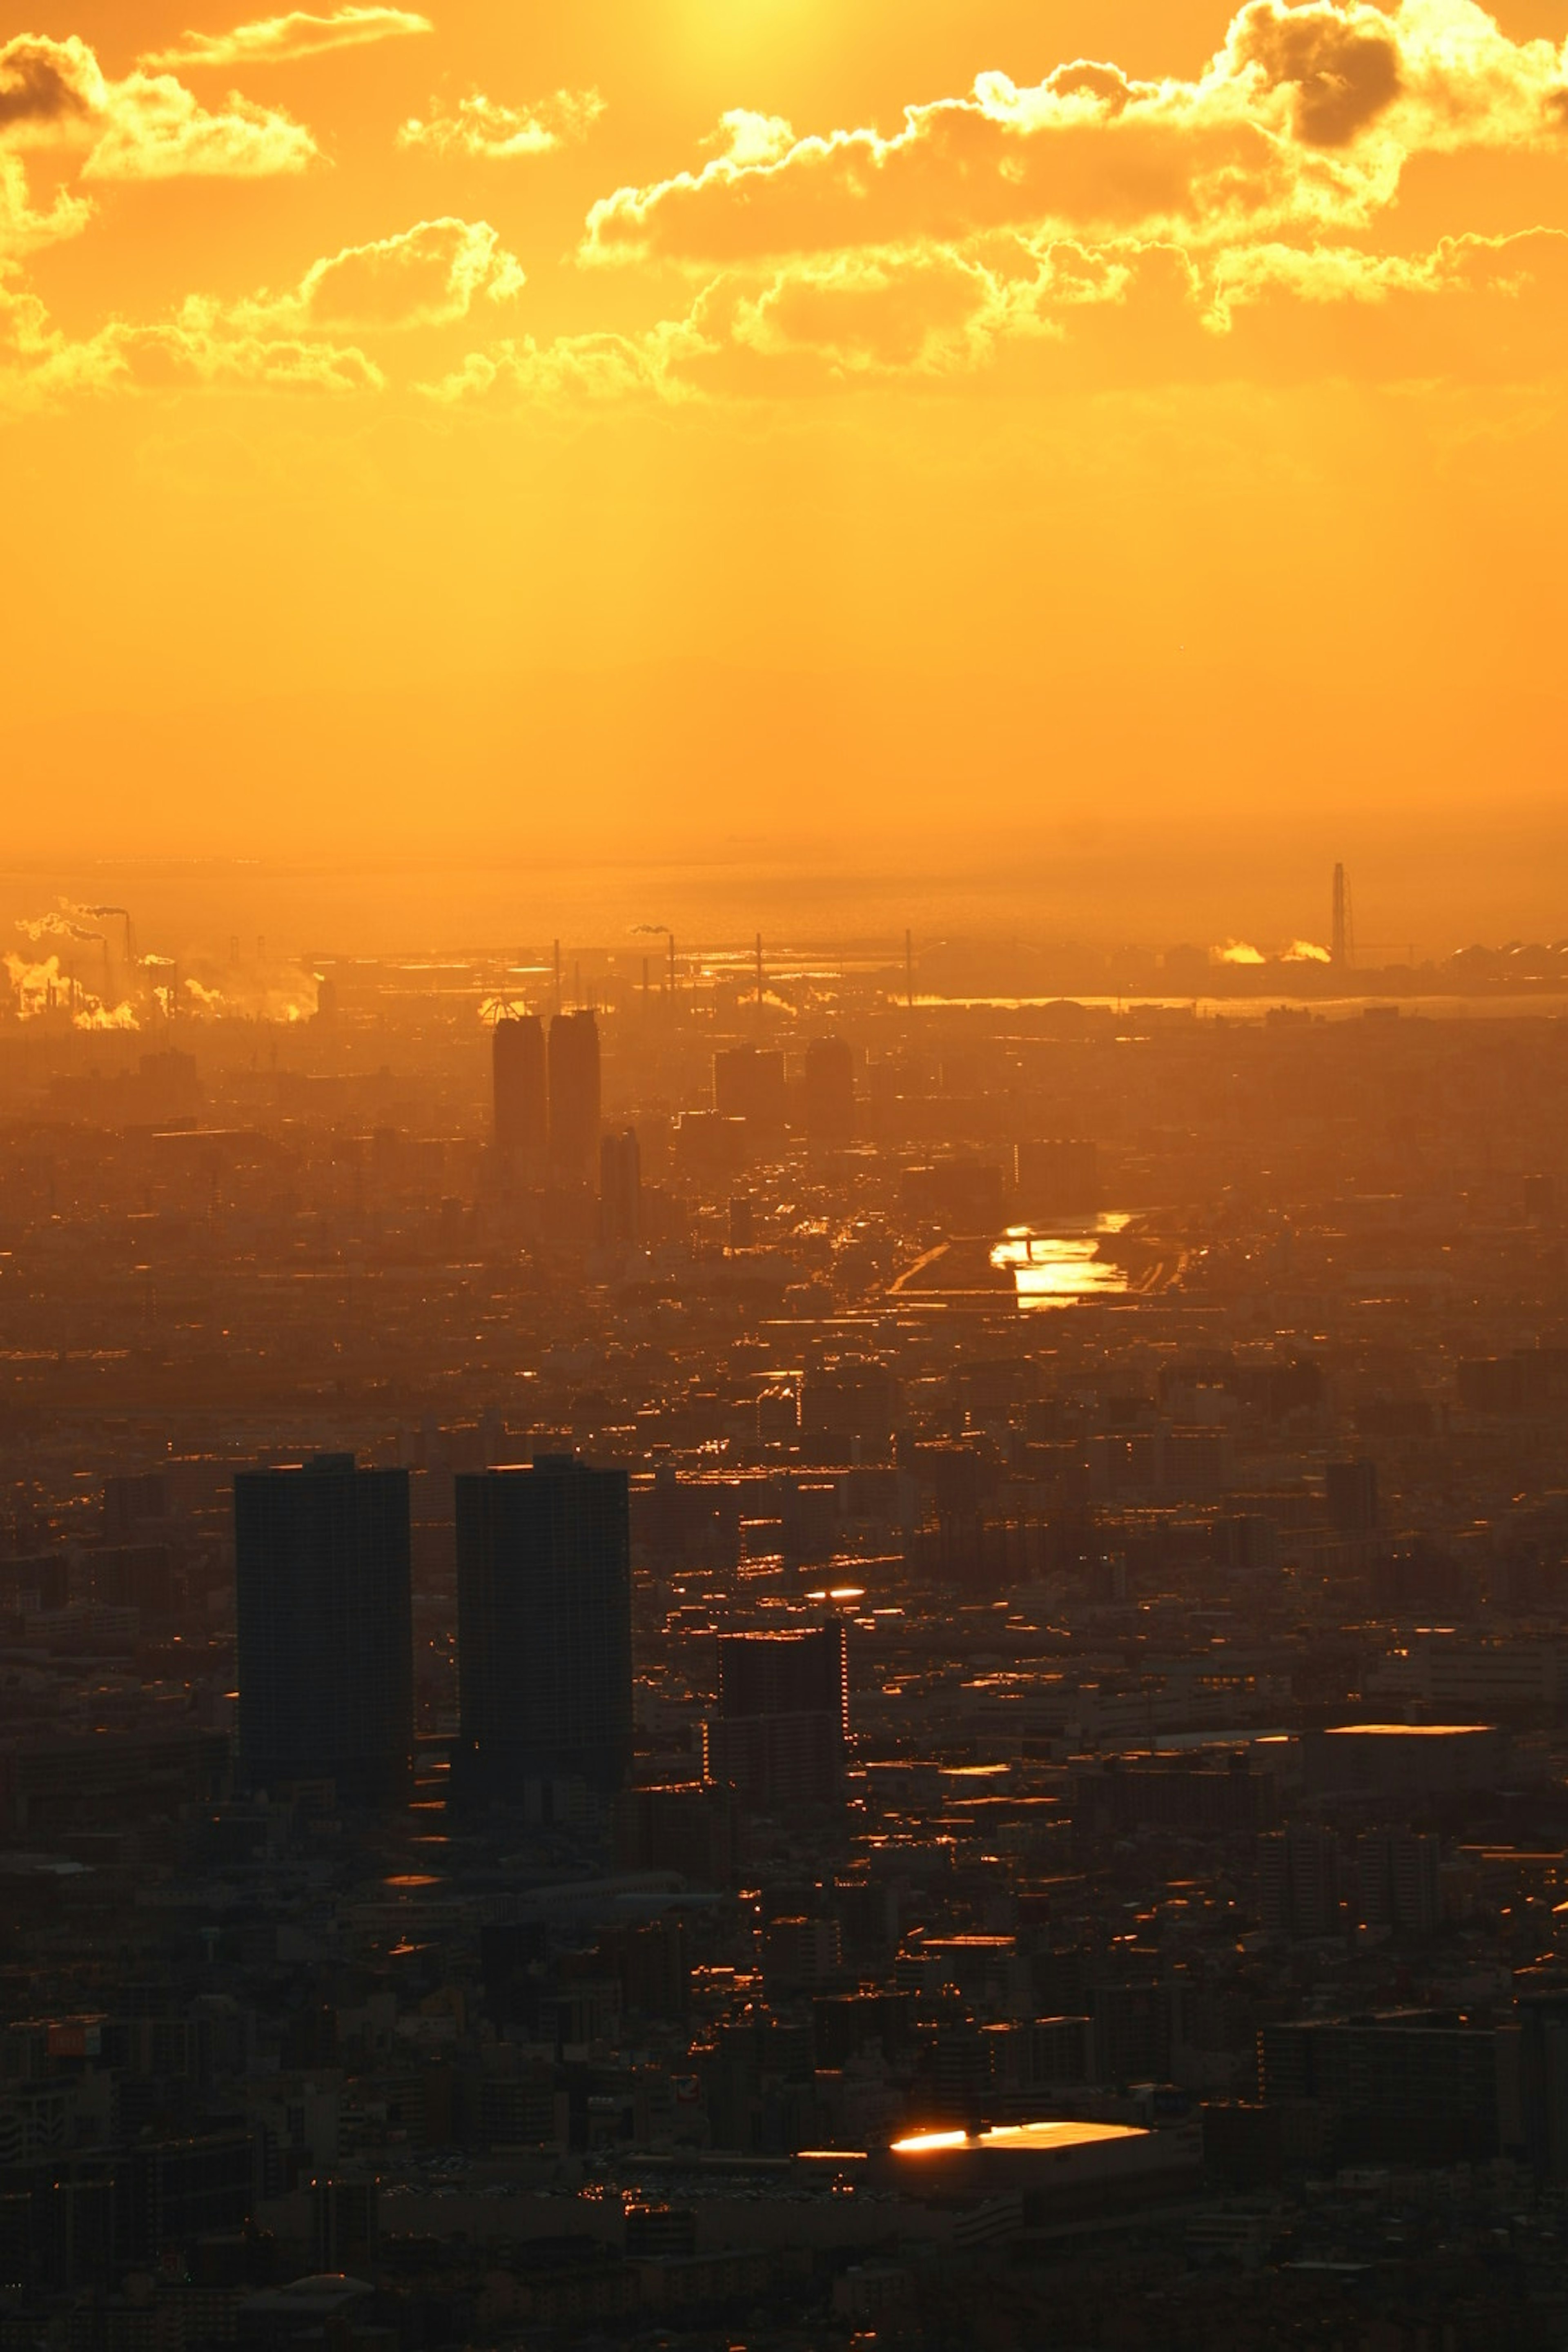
[[1341, 953]]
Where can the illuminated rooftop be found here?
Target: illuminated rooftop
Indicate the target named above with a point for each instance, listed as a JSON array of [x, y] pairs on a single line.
[[1406, 1730], [1009, 2139]]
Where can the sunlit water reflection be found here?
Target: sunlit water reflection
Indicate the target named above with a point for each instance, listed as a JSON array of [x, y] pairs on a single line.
[[1052, 1269]]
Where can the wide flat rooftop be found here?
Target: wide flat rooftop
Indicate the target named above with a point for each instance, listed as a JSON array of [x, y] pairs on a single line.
[[1407, 1731], [1009, 2139]]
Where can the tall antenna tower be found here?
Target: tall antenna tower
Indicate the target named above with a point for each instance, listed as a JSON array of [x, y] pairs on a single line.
[[1342, 953]]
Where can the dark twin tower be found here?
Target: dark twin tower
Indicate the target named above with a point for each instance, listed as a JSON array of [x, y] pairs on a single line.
[[325, 1631], [547, 1094], [544, 1609], [324, 1628]]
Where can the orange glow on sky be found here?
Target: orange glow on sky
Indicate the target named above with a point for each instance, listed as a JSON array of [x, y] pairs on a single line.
[[1093, 457]]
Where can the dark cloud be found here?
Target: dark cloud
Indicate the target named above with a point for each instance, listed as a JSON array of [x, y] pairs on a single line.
[[43, 82], [1343, 74], [1084, 79]]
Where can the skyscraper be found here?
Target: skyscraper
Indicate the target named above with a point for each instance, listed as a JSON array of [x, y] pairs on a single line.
[[1298, 1881], [620, 1189], [830, 1090], [1350, 1489], [544, 1613], [781, 1732], [521, 1087], [1398, 1883], [325, 1627], [1059, 1176], [573, 1097], [749, 1084]]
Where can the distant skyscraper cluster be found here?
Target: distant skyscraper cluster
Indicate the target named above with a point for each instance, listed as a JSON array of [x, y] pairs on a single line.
[[548, 1108], [547, 1094]]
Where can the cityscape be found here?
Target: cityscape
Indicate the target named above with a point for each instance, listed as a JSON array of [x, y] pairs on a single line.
[[709, 1649]]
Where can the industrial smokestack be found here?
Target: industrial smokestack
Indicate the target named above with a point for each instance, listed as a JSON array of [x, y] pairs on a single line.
[[1343, 946]]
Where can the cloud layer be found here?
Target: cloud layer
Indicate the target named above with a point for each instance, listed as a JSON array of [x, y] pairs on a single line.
[[429, 276], [24, 229], [54, 95], [1302, 124], [1087, 228], [280, 40], [478, 127]]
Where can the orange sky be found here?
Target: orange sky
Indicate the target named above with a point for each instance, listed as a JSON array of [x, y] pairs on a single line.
[[830, 437]]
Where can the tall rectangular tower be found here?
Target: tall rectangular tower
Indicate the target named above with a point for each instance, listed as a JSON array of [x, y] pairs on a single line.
[[782, 1729], [1350, 1489], [620, 1189], [830, 1090], [325, 1627], [521, 1087], [544, 1624], [749, 1084], [573, 1097]]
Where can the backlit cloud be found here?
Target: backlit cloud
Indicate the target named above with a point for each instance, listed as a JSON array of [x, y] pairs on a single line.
[[25, 229], [201, 348], [572, 369], [280, 40], [42, 367], [429, 276], [300, 340], [50, 92], [147, 127], [1471, 309], [1087, 229], [158, 131], [1302, 122], [478, 126]]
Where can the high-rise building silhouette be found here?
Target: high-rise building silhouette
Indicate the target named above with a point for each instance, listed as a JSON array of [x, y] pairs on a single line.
[[520, 1087], [620, 1189], [749, 1084], [545, 1644], [325, 1627], [780, 1732], [1398, 1883], [130, 1502], [1058, 1176], [1350, 1489], [573, 1097], [830, 1090], [1298, 1881]]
